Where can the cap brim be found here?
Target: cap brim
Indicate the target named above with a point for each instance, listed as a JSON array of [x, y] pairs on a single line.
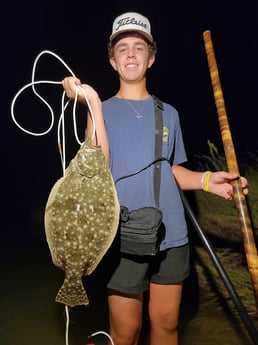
[[144, 34]]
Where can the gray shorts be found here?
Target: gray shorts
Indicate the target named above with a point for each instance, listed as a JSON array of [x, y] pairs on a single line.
[[134, 273]]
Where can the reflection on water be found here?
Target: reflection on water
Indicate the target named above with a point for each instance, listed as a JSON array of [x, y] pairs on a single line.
[[30, 315]]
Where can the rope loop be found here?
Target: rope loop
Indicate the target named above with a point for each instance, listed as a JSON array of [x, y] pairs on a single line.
[[64, 104]]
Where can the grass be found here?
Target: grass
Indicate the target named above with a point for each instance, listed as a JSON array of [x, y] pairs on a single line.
[[220, 221], [217, 215]]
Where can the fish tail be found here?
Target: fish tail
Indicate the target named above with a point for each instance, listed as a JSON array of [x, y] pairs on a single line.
[[72, 294]]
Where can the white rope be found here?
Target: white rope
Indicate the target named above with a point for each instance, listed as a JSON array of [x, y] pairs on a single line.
[[67, 325], [102, 332], [60, 128], [90, 336], [61, 122], [49, 107]]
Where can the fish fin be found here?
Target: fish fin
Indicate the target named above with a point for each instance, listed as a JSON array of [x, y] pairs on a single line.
[[72, 294]]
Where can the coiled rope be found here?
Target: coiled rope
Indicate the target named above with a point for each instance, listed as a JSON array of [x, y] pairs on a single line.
[[61, 121], [61, 128]]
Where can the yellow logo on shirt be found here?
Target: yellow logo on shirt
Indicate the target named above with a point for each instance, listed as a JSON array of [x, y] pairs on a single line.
[[165, 134]]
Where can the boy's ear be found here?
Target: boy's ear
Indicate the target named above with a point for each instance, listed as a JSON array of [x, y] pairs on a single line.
[[113, 63]]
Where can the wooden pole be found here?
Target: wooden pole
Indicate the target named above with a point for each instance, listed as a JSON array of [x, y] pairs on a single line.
[[238, 196]]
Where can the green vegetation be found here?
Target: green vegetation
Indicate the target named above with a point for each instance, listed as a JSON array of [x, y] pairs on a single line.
[[216, 215], [219, 220]]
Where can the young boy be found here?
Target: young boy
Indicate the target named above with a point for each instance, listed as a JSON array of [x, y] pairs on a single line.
[[125, 128]]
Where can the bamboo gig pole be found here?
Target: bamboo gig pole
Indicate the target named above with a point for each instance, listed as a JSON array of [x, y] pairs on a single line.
[[239, 197]]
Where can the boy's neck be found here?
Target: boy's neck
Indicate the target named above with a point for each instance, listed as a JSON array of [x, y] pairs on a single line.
[[133, 92]]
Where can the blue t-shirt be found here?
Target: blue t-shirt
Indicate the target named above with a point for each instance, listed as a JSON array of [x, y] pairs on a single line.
[[132, 142]]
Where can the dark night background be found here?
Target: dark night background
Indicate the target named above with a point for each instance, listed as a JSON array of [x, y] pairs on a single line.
[[78, 32]]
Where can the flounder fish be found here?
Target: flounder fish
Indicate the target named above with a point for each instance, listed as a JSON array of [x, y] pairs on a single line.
[[81, 220]]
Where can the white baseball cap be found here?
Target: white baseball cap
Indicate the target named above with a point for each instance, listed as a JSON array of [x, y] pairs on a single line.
[[131, 21]]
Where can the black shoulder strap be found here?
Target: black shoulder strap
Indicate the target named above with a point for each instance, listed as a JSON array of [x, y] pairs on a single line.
[[158, 146]]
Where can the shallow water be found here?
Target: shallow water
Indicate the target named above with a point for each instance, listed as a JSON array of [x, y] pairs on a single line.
[[29, 314]]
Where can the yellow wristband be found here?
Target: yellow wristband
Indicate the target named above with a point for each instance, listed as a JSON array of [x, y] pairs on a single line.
[[205, 180]]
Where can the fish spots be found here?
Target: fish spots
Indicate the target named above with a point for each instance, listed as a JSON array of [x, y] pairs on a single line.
[[81, 220]]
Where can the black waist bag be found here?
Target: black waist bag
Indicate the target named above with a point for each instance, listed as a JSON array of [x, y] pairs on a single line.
[[139, 230]]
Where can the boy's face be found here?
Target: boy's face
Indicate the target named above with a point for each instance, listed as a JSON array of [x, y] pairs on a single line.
[[131, 58]]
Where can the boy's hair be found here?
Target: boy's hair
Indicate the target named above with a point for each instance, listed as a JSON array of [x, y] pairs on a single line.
[[152, 46]]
